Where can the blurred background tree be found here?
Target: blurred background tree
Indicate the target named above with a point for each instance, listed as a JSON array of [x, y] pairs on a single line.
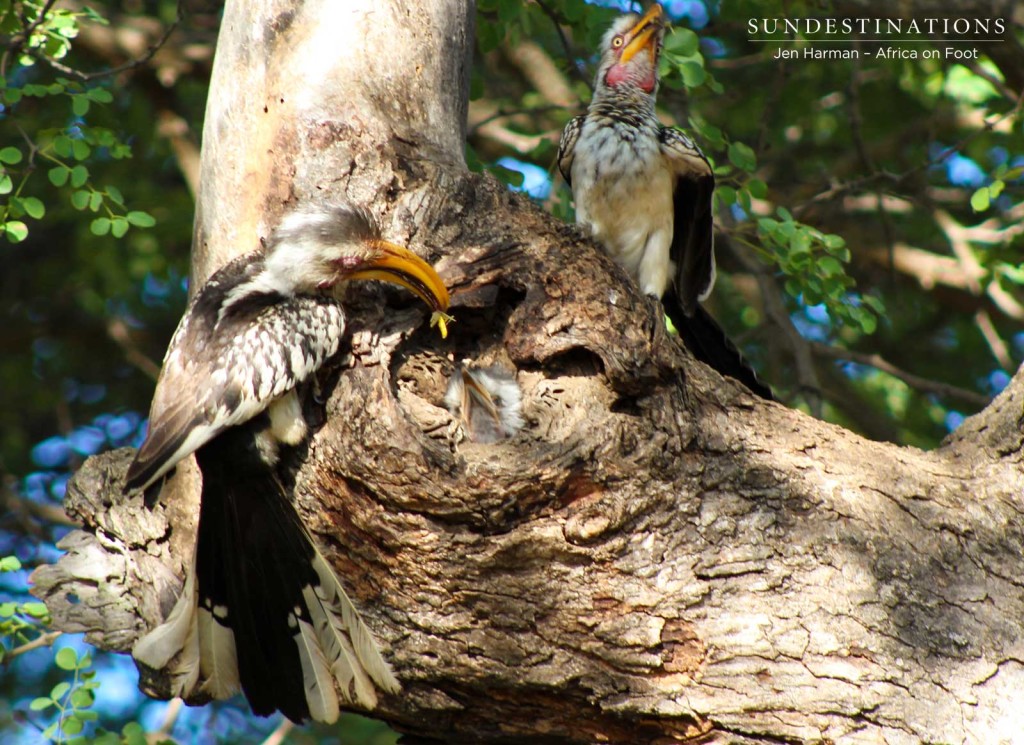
[[868, 228]]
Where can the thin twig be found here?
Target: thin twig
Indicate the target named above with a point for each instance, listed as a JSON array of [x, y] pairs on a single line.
[[897, 178], [992, 80], [280, 732], [130, 65], [570, 57], [914, 381], [857, 133], [18, 42], [117, 330], [43, 640], [171, 714], [974, 272], [995, 342], [504, 113]]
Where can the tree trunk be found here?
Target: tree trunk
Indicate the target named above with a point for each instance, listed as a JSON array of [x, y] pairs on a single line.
[[658, 556]]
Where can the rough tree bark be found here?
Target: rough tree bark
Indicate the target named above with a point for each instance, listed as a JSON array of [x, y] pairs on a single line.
[[658, 557]]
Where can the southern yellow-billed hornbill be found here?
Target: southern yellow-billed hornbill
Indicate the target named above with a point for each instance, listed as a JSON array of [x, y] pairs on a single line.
[[644, 191], [262, 611], [487, 401]]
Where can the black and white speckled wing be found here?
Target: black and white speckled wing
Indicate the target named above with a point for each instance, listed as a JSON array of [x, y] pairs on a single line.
[[237, 349], [693, 249], [567, 146]]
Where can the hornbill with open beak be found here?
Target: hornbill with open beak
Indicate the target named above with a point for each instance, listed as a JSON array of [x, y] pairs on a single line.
[[262, 611], [644, 191], [487, 401]]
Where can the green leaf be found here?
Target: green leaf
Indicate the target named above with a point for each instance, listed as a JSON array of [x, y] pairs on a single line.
[[1014, 274], [33, 207], [693, 73], [8, 609], [980, 200], [72, 725], [742, 156], [80, 199], [100, 226], [10, 564], [132, 729], [10, 155], [141, 219], [12, 95], [66, 658], [16, 231], [727, 195], [99, 95], [134, 734], [60, 690], [800, 244], [62, 145], [35, 609], [508, 11], [50, 731], [758, 188], [682, 41], [574, 10], [6, 184], [80, 105], [874, 303], [488, 37], [58, 175], [79, 175], [103, 137], [743, 195], [1012, 174], [829, 267], [507, 175], [41, 703], [80, 149], [115, 195], [833, 241], [81, 699], [95, 201], [118, 227], [708, 132], [867, 320]]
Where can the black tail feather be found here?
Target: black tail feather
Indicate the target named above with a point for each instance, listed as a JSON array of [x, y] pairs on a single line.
[[253, 561], [707, 341]]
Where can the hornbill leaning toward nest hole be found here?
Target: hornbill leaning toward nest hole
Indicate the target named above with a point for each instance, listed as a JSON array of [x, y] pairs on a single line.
[[261, 610]]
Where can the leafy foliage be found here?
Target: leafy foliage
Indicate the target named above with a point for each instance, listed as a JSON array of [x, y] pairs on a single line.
[[842, 185], [877, 203], [69, 147]]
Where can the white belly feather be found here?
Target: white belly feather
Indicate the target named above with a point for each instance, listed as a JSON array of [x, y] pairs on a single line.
[[623, 196]]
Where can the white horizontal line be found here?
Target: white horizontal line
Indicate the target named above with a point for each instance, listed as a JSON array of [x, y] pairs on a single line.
[[891, 41]]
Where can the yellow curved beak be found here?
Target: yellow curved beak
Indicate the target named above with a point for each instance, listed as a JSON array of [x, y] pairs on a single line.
[[643, 32], [402, 267]]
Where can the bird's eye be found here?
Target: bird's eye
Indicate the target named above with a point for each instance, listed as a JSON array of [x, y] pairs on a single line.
[[617, 42]]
